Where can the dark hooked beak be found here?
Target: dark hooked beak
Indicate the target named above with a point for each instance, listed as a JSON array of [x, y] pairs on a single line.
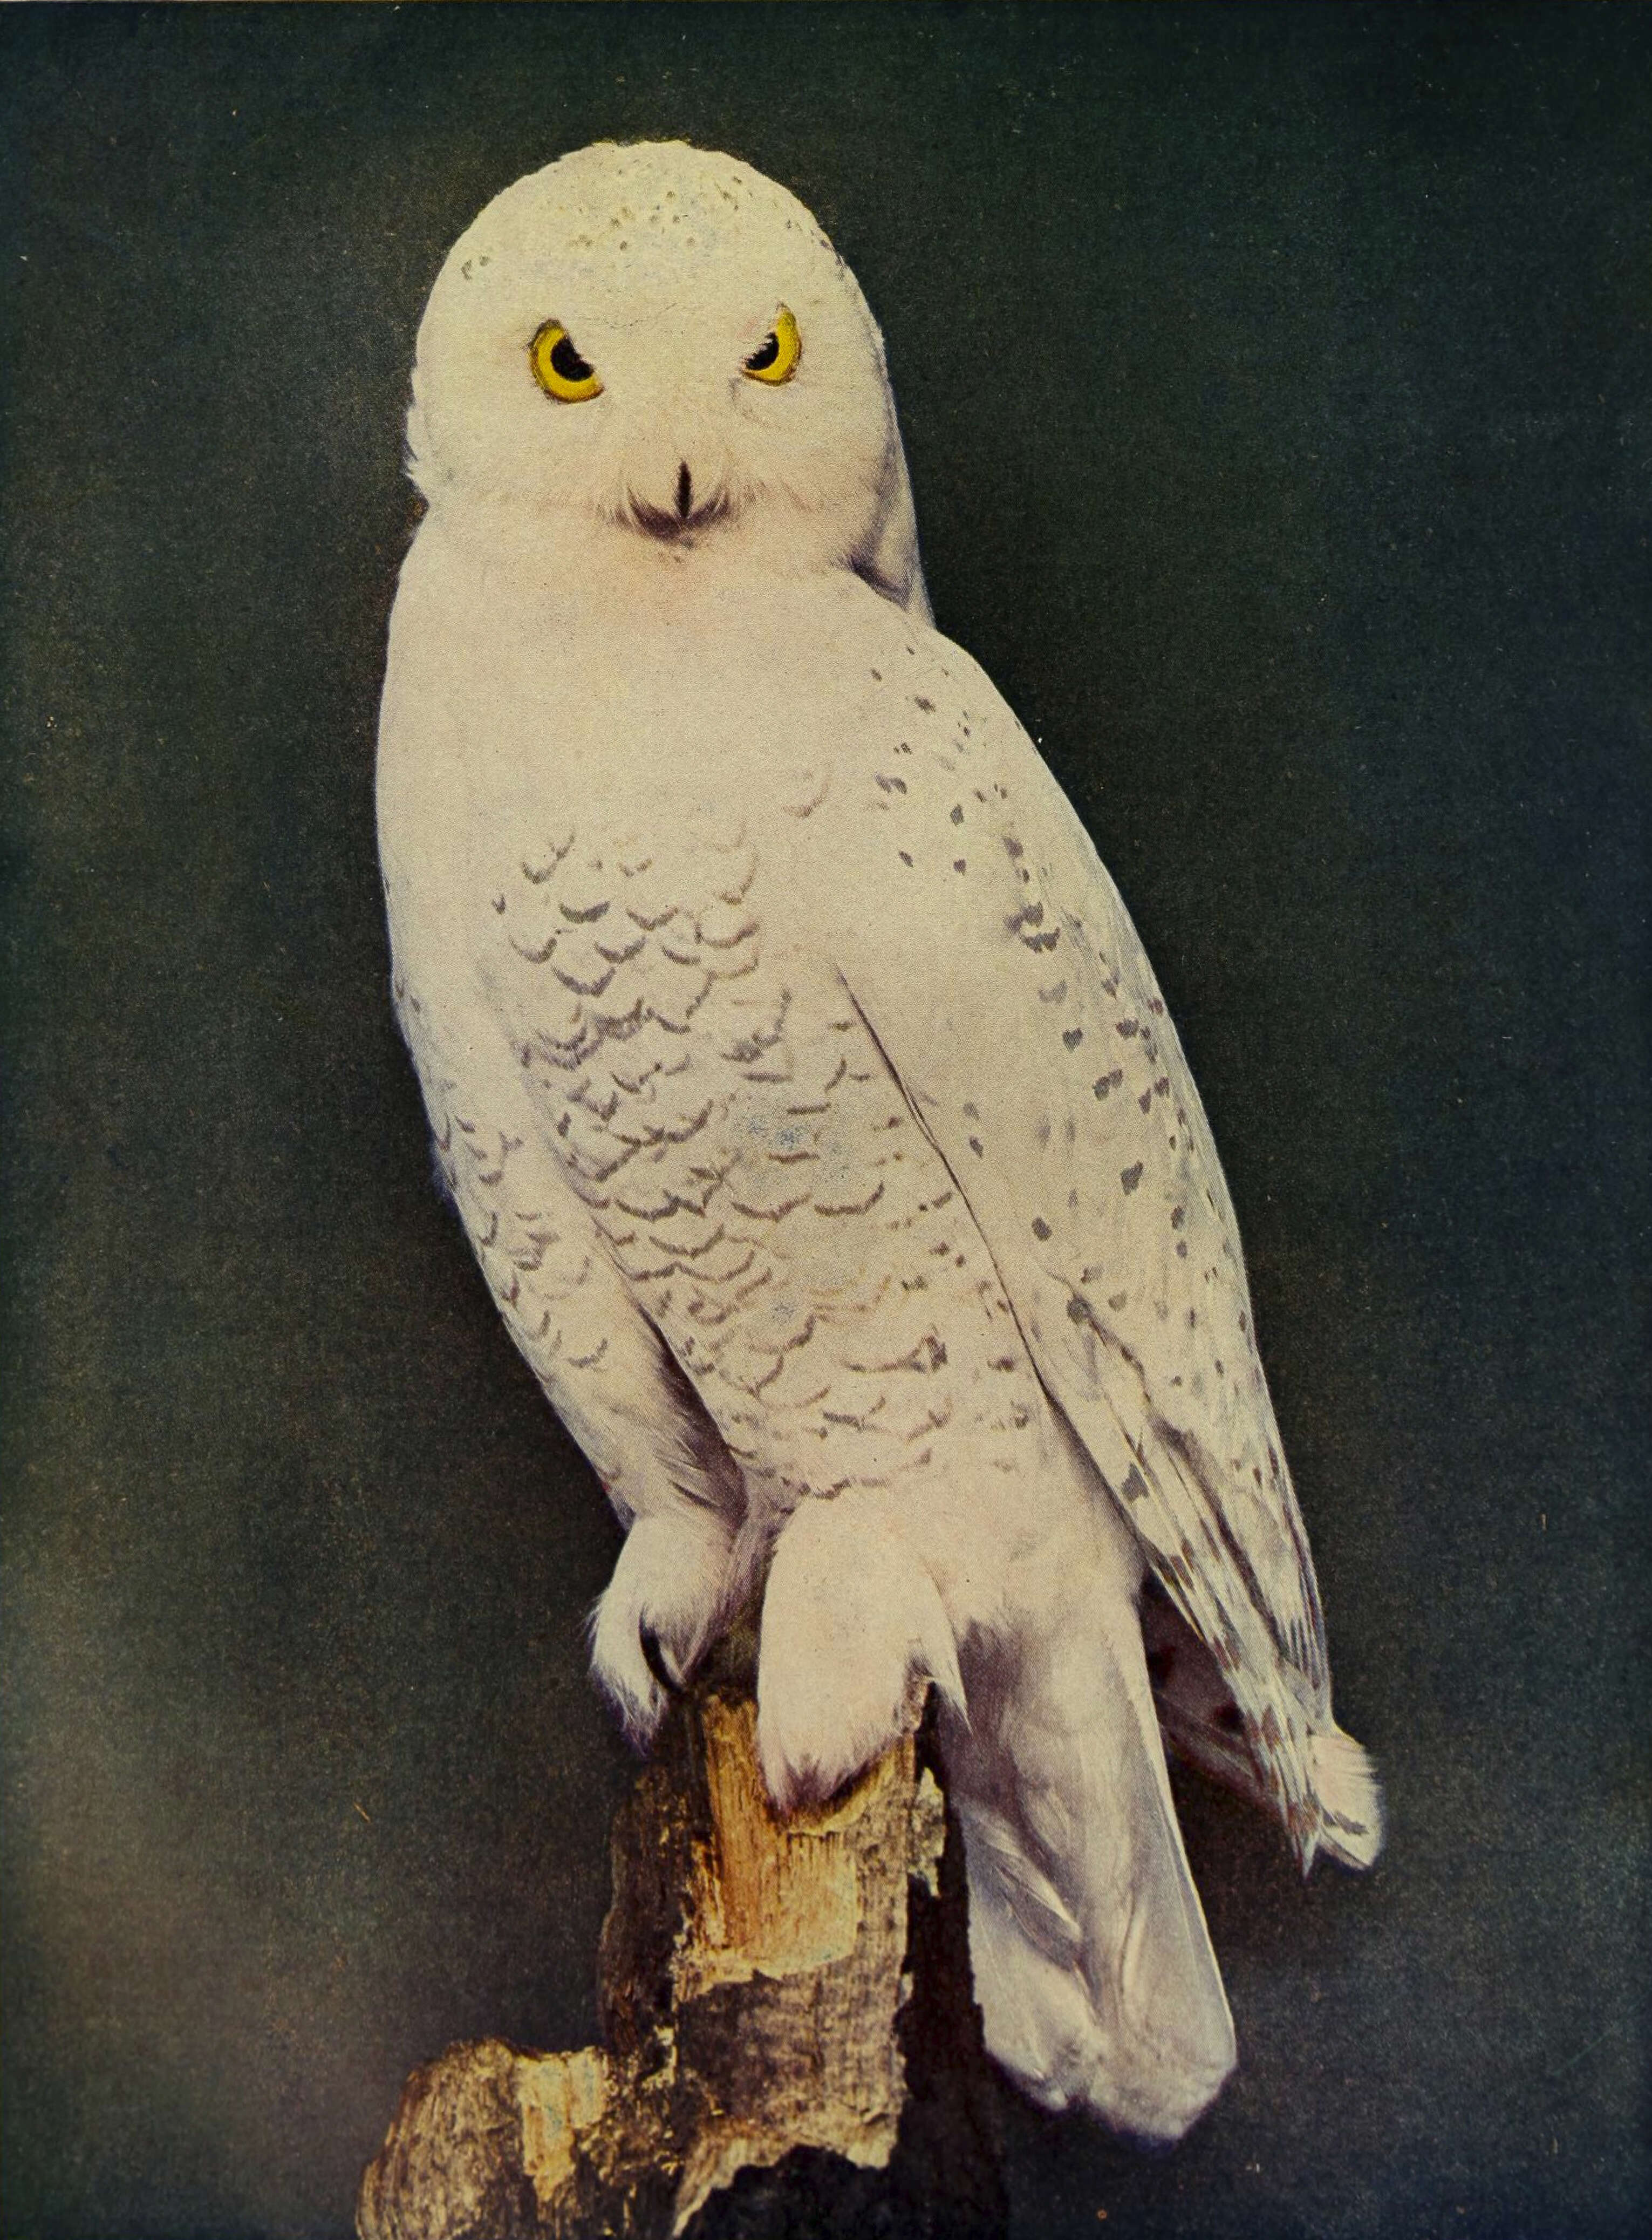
[[656, 521]]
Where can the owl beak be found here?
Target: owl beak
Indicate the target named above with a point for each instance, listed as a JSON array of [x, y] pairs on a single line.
[[693, 505]]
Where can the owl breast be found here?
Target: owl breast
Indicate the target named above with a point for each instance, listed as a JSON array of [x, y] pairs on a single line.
[[716, 1102]]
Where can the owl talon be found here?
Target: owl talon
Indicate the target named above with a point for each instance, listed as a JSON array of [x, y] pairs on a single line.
[[658, 1663], [667, 1602]]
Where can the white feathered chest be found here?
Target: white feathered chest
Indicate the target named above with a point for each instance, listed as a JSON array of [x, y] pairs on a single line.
[[640, 897]]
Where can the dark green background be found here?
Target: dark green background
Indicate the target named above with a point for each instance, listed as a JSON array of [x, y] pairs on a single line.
[[1275, 386]]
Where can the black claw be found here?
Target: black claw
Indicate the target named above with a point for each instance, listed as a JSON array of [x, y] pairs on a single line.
[[653, 1657]]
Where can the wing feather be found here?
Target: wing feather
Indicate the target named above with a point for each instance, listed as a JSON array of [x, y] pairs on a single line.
[[993, 958]]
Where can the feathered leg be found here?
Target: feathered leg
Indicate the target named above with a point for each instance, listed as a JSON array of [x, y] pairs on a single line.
[[853, 1629]]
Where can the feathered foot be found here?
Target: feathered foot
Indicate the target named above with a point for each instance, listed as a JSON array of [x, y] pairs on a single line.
[[676, 1586], [853, 1628]]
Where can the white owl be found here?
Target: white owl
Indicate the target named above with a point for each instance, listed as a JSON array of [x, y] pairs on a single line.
[[814, 1113]]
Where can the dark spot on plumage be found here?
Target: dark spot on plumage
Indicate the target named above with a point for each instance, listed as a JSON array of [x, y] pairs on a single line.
[[958, 812], [1073, 1037], [1130, 1178], [1041, 1230], [961, 864], [928, 706]]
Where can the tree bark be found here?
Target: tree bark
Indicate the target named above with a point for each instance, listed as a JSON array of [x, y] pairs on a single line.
[[789, 2038]]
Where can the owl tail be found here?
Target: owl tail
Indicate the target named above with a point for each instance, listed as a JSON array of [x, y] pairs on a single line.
[[1093, 1967]]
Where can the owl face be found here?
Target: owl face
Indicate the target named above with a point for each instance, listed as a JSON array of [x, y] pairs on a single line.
[[657, 344]]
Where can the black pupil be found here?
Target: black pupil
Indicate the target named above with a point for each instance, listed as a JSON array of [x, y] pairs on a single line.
[[567, 361], [763, 358]]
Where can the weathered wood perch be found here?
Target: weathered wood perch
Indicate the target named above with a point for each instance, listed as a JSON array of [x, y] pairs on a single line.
[[790, 2041]]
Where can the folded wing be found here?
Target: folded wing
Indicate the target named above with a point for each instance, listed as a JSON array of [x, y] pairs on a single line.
[[1034, 1047]]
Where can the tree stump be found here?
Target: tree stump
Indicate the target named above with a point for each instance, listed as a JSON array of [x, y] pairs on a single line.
[[790, 2041]]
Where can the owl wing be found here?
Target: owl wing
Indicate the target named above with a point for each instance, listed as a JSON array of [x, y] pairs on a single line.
[[992, 957]]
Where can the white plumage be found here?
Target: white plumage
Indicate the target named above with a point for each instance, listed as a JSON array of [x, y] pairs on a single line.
[[813, 1111]]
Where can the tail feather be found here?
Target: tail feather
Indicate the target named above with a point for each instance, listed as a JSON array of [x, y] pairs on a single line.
[[1093, 1966], [1016, 1890]]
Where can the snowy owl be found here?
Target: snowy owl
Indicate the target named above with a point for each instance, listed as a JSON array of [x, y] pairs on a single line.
[[813, 1111]]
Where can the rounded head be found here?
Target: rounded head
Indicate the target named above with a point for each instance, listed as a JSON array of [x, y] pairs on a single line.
[[661, 343]]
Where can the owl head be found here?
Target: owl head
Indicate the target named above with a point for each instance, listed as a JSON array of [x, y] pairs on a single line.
[[658, 345]]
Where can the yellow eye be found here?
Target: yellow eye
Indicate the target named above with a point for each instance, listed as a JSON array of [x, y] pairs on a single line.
[[558, 367], [777, 358]]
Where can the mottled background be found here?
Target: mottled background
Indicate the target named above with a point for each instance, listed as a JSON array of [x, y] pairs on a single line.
[[1275, 385]]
